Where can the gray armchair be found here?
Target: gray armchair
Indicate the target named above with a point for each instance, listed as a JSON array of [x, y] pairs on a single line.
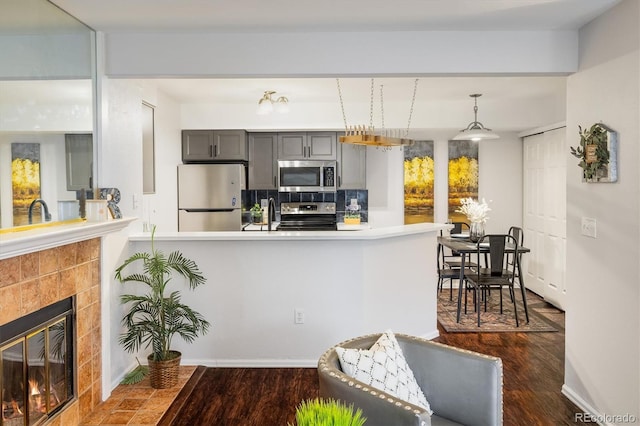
[[462, 387]]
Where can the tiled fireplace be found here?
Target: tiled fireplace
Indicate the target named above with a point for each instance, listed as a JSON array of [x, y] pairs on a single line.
[[37, 364], [55, 278]]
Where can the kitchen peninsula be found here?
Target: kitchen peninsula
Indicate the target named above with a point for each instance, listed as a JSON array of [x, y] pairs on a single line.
[[281, 298]]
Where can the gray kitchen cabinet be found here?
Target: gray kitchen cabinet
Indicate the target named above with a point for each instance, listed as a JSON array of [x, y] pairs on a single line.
[[307, 146], [262, 160], [197, 145], [213, 145], [352, 166], [79, 161]]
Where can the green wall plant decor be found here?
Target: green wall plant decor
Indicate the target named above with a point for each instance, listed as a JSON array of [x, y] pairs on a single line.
[[597, 153]]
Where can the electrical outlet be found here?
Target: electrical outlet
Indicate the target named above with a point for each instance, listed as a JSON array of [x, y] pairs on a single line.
[[298, 316], [588, 228]]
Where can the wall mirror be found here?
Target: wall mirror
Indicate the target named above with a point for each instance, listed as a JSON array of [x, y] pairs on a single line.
[[47, 110]]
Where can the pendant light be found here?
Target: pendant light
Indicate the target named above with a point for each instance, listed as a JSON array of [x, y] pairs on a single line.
[[475, 131]]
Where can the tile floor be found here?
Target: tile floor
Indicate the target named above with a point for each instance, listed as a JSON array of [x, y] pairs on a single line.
[[138, 404]]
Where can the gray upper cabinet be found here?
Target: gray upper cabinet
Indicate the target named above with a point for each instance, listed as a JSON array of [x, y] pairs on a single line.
[[197, 145], [214, 145], [230, 144], [352, 166], [79, 161], [262, 160], [307, 146]]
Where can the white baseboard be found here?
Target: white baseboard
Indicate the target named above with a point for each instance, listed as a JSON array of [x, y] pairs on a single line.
[[270, 363], [119, 378], [432, 335], [583, 405]]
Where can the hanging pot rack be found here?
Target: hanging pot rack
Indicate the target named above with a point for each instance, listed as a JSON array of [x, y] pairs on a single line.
[[369, 135]]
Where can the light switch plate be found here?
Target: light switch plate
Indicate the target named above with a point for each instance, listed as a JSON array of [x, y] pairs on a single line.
[[589, 227]]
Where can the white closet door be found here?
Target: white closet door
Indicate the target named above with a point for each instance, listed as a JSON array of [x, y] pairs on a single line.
[[533, 221], [544, 166]]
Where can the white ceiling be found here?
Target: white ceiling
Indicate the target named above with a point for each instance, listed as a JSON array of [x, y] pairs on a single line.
[[333, 15], [346, 15]]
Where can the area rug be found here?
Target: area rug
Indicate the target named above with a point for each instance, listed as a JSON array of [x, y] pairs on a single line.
[[491, 321]]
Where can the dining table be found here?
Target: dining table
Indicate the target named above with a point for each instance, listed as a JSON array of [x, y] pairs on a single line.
[[460, 243]]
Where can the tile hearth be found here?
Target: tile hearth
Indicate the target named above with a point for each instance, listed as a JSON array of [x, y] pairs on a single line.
[[137, 404]]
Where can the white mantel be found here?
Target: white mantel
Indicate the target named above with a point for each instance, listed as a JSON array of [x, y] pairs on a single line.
[[17, 243]]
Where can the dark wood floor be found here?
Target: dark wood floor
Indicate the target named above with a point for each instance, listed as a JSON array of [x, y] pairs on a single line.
[[533, 375], [533, 365]]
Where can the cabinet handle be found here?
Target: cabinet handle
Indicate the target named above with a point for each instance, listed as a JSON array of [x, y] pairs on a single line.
[[210, 150], [217, 150], [339, 181]]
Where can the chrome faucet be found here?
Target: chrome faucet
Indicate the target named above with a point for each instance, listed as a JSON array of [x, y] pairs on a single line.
[[47, 215], [271, 213]]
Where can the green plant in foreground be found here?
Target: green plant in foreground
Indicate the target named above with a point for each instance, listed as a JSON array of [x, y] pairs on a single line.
[[136, 375], [321, 412]]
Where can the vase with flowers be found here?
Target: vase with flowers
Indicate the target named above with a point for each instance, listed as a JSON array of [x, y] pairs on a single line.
[[476, 212]]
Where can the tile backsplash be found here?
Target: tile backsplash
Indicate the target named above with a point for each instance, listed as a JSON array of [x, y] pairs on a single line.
[[340, 197]]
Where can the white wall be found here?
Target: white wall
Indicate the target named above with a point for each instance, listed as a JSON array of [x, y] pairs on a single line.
[[602, 346], [500, 181], [119, 142], [161, 208], [385, 185]]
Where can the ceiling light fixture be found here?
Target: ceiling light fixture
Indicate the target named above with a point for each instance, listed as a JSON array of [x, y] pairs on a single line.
[[266, 105], [363, 135], [475, 131]]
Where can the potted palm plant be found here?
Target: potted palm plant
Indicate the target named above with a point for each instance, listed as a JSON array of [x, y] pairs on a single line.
[[157, 315]]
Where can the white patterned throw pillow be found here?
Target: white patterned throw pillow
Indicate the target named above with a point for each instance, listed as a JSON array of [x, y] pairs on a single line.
[[384, 367]]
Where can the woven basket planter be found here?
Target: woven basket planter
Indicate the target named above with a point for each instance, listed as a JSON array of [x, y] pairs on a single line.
[[164, 374]]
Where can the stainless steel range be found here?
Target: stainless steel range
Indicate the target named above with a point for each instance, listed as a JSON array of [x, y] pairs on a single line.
[[308, 217]]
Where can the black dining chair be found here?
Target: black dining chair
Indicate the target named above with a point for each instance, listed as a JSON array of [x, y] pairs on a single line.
[[446, 272], [452, 259], [497, 274], [518, 234]]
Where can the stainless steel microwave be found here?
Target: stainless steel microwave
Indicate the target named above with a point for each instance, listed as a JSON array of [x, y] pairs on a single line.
[[306, 176]]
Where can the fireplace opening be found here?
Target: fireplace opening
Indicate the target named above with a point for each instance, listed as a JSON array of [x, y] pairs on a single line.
[[36, 360]]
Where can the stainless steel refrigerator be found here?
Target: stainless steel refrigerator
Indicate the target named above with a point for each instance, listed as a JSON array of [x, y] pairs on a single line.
[[209, 197]]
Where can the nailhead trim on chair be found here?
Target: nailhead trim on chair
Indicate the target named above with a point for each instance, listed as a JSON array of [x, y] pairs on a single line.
[[322, 363]]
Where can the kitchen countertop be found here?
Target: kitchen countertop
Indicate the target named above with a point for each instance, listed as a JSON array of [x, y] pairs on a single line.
[[341, 227], [364, 233]]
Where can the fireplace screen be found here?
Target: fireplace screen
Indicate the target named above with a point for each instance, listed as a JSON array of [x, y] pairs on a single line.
[[37, 370]]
